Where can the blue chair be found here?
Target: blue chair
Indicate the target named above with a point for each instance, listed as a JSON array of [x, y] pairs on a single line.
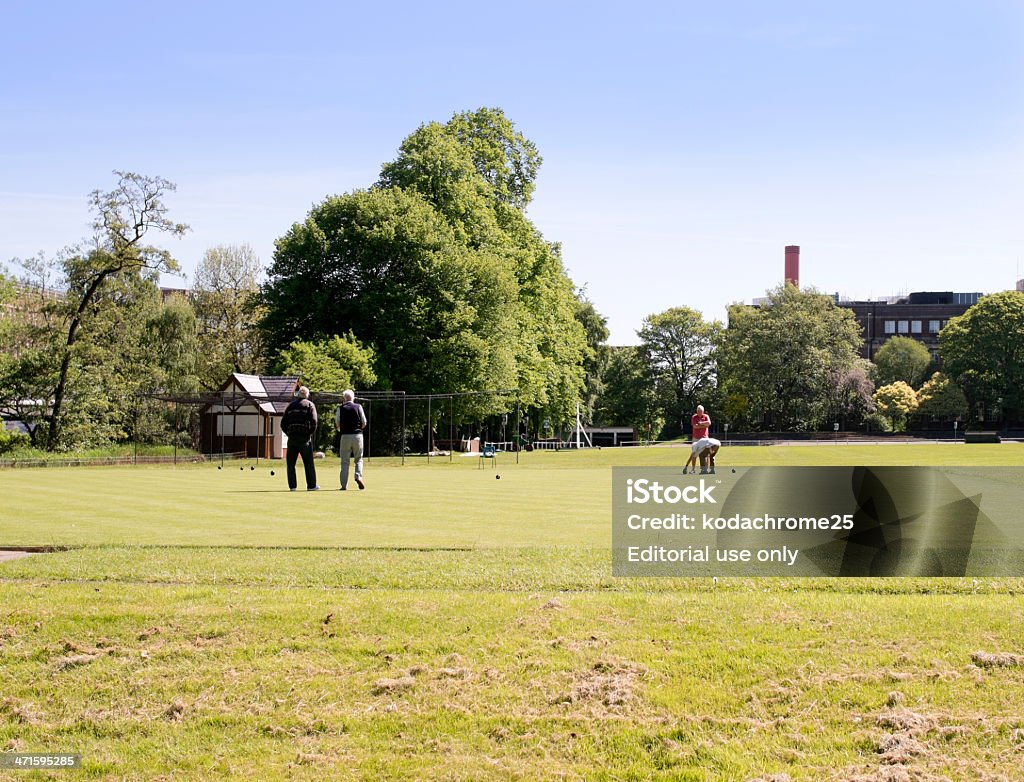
[[488, 451]]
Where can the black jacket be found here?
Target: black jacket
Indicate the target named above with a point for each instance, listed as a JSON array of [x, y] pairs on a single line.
[[299, 419]]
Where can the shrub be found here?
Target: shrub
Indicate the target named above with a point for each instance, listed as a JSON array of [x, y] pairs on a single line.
[[11, 440]]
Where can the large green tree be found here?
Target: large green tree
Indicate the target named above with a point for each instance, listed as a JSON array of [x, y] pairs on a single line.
[[983, 351], [680, 348], [479, 173], [130, 342], [385, 266], [133, 344], [782, 356], [902, 358], [438, 270]]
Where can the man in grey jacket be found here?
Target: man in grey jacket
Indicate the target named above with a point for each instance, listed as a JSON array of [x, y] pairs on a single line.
[[351, 421]]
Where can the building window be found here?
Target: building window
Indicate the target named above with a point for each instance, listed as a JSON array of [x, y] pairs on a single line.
[[903, 327], [915, 327], [890, 327], [934, 326]]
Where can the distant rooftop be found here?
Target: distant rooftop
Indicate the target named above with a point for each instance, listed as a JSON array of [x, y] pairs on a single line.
[[918, 297]]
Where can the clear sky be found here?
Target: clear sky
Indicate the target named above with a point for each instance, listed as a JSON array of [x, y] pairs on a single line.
[[684, 144]]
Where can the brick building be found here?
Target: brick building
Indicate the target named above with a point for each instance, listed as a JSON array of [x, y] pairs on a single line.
[[920, 316]]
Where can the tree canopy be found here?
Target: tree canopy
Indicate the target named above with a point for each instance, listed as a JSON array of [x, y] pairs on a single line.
[[983, 351], [629, 397], [782, 356], [437, 269], [897, 401], [941, 398], [681, 350], [332, 364], [902, 358]]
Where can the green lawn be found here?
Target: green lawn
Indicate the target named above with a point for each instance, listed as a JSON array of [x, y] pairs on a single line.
[[446, 624]]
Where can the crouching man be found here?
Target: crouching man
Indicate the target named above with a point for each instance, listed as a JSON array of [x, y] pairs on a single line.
[[705, 449]]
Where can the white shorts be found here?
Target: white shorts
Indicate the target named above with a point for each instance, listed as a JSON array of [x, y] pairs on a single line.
[[704, 443]]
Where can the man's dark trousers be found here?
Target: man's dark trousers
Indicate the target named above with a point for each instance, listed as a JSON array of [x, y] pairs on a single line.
[[305, 448]]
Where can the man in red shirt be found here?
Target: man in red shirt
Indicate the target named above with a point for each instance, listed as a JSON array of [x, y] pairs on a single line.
[[700, 422], [704, 448]]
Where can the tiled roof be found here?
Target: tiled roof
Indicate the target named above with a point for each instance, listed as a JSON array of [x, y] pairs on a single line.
[[281, 387], [256, 387]]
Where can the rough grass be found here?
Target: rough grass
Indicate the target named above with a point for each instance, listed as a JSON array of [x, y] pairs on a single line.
[[447, 625]]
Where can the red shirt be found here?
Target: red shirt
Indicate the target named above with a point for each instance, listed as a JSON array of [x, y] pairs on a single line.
[[700, 423]]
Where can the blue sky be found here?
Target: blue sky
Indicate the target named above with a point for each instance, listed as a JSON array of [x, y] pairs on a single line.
[[684, 144]]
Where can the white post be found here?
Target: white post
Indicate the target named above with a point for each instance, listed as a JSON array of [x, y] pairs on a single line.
[[581, 434]]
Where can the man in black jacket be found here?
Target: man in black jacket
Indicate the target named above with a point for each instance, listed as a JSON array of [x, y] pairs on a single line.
[[299, 423]]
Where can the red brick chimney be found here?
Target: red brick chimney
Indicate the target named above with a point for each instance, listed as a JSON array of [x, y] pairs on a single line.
[[793, 264]]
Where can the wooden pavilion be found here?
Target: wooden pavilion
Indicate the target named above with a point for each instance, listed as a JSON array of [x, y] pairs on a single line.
[[246, 416]]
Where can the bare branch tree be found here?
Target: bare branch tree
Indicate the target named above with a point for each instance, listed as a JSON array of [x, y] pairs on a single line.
[[124, 217]]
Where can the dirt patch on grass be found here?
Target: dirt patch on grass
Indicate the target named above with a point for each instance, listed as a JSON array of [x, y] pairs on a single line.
[[911, 745], [899, 748], [74, 661], [998, 660], [454, 673], [908, 722], [21, 713], [71, 654], [175, 712], [392, 686], [314, 759], [610, 683]]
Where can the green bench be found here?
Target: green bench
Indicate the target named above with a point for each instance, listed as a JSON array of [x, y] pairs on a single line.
[[982, 437]]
